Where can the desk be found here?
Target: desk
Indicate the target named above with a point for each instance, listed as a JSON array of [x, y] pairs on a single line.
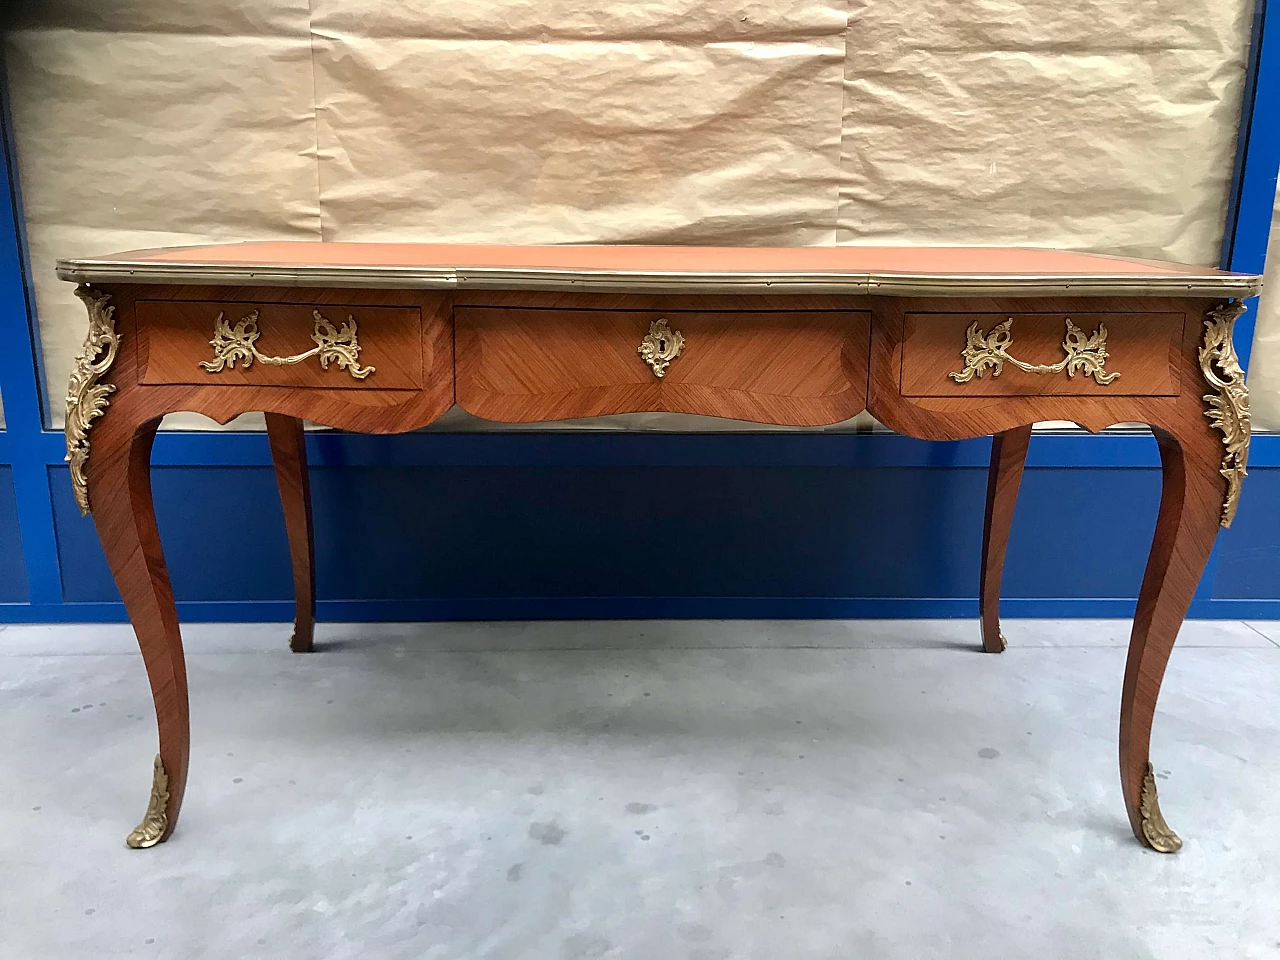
[[937, 343]]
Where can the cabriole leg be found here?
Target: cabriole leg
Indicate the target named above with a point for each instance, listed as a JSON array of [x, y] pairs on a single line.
[[289, 455], [120, 486], [1190, 510], [1008, 457]]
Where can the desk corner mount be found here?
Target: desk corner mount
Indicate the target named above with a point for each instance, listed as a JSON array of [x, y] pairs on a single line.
[[1229, 402], [86, 393]]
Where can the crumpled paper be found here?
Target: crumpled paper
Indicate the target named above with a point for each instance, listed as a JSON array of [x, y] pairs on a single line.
[[1100, 125]]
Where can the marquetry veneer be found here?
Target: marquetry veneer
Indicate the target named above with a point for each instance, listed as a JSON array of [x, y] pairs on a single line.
[[796, 367]]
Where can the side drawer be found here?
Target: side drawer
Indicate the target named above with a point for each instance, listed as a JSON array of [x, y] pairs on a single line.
[[281, 344], [518, 364], [1041, 354]]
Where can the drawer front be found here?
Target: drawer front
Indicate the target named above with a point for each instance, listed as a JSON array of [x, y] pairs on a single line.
[[527, 364], [1041, 354], [281, 344]]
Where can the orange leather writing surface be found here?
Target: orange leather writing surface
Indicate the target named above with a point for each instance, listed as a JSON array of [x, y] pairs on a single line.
[[994, 261]]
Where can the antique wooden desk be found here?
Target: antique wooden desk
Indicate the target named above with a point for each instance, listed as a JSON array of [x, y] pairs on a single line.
[[941, 344]]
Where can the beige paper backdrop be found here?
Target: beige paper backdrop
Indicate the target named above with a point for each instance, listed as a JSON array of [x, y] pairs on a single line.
[[1100, 125]]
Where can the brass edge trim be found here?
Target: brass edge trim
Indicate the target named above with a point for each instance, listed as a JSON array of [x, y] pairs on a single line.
[[140, 271], [861, 283], [156, 820], [86, 392], [609, 282], [480, 278], [1229, 403], [1154, 830]]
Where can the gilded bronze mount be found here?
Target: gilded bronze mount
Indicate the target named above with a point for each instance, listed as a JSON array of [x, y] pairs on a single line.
[[1154, 830], [239, 343], [1084, 354], [661, 346], [1229, 402], [156, 820], [87, 391]]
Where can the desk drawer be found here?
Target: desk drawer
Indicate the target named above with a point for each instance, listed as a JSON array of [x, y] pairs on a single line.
[[1040, 354], [281, 344], [517, 364]]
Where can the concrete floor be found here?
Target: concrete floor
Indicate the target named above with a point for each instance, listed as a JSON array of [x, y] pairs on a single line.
[[653, 790]]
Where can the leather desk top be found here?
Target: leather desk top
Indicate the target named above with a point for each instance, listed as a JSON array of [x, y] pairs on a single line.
[[900, 271]]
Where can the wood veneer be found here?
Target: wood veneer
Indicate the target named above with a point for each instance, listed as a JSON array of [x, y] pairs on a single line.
[[1008, 457], [785, 367], [289, 456], [1142, 349], [370, 409], [174, 339]]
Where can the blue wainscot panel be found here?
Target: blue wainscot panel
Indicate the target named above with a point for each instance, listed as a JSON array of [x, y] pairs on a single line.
[[13, 573], [1081, 533], [1249, 553], [630, 541], [221, 527]]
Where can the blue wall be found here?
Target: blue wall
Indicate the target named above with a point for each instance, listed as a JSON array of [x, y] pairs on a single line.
[[438, 526], [13, 574], [552, 540]]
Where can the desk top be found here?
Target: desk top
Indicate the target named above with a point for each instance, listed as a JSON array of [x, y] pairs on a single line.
[[891, 271]]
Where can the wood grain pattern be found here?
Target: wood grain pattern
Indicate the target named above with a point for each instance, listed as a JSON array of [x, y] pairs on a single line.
[[1008, 457], [120, 478], [785, 367], [1186, 528], [289, 457], [1143, 350], [965, 417], [174, 340], [368, 410]]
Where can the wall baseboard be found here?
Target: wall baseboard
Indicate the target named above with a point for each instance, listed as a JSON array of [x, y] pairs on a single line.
[[633, 608]]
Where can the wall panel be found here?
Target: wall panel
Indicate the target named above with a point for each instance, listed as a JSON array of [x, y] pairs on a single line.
[[222, 529], [13, 575], [1249, 553], [563, 533]]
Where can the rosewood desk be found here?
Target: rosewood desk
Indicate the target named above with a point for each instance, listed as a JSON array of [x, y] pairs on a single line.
[[937, 343]]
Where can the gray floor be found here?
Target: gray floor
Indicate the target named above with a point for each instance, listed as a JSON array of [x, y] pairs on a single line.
[[640, 790]]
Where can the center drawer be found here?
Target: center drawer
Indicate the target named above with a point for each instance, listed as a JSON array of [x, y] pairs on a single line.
[[799, 368]]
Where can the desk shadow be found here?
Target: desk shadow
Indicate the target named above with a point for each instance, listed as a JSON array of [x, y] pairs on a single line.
[[654, 681], [650, 635]]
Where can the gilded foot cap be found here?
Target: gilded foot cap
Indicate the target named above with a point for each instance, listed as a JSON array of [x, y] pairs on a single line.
[[1154, 830], [156, 820]]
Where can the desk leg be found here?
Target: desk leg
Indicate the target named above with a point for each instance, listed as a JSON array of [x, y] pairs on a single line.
[[1190, 511], [125, 517], [1008, 456], [289, 454]]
